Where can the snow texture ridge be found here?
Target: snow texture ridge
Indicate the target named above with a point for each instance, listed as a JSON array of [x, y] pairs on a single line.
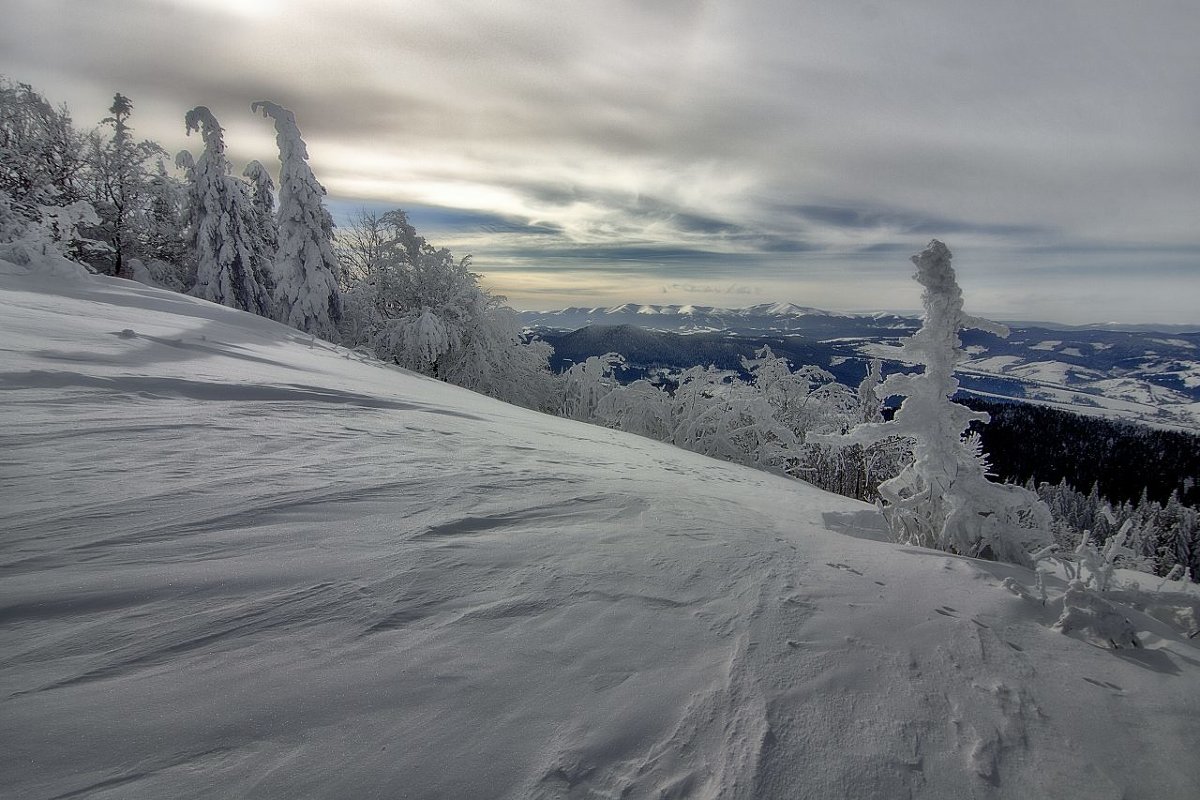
[[238, 561]]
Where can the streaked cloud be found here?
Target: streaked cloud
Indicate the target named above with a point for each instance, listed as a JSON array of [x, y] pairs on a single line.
[[798, 150]]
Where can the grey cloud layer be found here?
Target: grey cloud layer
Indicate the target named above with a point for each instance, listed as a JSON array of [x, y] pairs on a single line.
[[695, 134]]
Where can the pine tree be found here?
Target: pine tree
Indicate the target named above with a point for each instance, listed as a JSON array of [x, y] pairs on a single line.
[[1173, 540], [262, 195], [231, 255], [305, 266], [166, 258]]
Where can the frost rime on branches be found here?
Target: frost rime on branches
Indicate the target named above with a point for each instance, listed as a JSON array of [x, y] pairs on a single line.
[[944, 499], [415, 305], [305, 265], [232, 257]]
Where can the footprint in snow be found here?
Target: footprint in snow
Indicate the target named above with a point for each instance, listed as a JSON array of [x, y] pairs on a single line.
[[1104, 684], [846, 567], [946, 611]]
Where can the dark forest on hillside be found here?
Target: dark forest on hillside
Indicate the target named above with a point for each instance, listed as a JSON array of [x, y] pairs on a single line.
[[1124, 459]]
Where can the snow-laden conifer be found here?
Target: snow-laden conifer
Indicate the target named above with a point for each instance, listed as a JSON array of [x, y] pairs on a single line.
[[305, 266], [262, 195], [943, 498], [232, 258]]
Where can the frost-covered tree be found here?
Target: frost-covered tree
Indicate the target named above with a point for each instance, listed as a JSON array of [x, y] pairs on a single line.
[[164, 259], [41, 153], [417, 306], [710, 411], [640, 407], [231, 255], [762, 423], [494, 357], [120, 178], [943, 499], [718, 415], [305, 265], [42, 176], [262, 195], [586, 383], [808, 400], [54, 232]]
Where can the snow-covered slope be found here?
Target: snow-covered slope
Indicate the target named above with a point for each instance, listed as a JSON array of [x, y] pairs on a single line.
[[236, 562]]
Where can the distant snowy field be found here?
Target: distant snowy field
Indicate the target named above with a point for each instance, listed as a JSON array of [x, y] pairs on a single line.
[[236, 562]]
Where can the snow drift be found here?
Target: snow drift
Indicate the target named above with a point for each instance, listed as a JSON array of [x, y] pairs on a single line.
[[240, 562]]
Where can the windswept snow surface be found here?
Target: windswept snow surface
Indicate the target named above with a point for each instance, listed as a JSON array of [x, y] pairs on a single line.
[[238, 562]]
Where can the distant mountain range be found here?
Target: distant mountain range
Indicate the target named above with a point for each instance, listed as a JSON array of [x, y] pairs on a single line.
[[768, 318], [1139, 373]]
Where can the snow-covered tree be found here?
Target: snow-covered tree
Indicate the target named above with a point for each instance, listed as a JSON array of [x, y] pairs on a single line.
[[54, 232], [416, 305], [869, 405], [640, 407], [718, 415], [305, 265], [586, 383], [42, 175], [120, 177], [164, 259], [761, 423], [231, 255], [494, 358], [262, 194], [943, 498], [41, 154], [808, 400]]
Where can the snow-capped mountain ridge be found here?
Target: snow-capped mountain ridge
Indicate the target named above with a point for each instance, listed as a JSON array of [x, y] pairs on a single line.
[[680, 318]]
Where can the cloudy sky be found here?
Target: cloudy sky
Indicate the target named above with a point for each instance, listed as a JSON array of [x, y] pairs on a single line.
[[723, 152]]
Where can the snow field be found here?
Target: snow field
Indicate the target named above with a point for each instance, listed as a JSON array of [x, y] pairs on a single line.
[[237, 561]]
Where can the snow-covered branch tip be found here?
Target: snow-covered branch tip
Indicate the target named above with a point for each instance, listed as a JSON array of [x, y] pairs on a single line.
[[287, 133], [202, 120]]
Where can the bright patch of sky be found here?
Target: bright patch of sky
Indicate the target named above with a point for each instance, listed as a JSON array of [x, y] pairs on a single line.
[[713, 152]]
